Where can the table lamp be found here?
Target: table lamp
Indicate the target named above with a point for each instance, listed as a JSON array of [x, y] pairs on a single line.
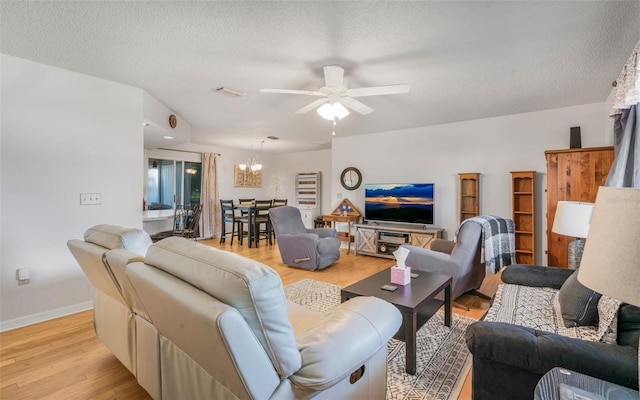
[[611, 260], [572, 219]]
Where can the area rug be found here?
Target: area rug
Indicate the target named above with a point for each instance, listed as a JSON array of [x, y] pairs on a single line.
[[443, 360]]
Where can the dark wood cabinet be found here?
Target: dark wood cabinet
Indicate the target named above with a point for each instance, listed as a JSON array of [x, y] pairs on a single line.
[[572, 175]]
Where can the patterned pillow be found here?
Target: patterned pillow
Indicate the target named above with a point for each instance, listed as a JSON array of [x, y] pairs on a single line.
[[579, 304], [608, 314]]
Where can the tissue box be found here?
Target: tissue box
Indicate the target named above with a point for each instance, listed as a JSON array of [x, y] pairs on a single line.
[[400, 276]]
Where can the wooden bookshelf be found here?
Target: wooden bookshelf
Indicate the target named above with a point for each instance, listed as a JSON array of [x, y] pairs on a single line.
[[469, 195], [524, 215]]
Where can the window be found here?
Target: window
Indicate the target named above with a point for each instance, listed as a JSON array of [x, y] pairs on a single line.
[[169, 181]]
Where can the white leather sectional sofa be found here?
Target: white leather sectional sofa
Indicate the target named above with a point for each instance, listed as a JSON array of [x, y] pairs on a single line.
[[210, 324]]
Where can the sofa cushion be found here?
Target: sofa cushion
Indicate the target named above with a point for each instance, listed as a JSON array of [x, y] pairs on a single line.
[[608, 319], [628, 325], [578, 303], [251, 287]]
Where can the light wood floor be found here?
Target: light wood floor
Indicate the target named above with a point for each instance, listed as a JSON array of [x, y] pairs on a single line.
[[63, 359]]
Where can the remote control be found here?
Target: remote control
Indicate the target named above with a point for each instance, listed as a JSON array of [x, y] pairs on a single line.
[[390, 288]]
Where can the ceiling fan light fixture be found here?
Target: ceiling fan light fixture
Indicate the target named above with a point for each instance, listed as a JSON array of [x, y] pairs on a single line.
[[332, 111]]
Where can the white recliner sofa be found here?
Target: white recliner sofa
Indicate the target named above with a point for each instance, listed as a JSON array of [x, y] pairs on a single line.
[[226, 330], [119, 320]]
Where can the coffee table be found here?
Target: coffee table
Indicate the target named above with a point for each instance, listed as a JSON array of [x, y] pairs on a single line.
[[416, 301]]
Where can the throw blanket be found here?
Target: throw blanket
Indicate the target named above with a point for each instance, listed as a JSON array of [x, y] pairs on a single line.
[[499, 241], [539, 308]]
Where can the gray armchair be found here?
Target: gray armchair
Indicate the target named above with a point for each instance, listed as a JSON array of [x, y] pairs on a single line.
[[460, 260], [299, 246]]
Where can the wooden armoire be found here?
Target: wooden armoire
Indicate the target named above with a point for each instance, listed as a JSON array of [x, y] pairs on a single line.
[[572, 175]]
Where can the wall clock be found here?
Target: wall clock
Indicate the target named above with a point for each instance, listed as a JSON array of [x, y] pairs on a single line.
[[351, 178], [173, 121]]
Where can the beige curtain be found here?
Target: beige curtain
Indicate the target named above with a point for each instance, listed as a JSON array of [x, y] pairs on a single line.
[[210, 221], [625, 171]]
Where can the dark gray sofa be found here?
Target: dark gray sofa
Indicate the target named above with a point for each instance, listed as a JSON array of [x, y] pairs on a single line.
[[509, 360]]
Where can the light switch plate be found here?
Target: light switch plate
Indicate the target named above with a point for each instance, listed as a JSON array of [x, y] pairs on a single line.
[[90, 199]]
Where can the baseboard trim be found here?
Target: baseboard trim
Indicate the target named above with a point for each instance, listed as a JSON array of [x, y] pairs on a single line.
[[45, 316]]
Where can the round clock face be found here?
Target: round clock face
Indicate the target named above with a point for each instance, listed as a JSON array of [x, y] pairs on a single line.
[[173, 121], [351, 178]]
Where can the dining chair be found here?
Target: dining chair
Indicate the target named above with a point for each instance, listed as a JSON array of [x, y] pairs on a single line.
[[261, 221], [178, 215], [191, 227], [229, 216]]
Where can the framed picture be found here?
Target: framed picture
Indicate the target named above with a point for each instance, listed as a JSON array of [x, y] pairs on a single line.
[[246, 177]]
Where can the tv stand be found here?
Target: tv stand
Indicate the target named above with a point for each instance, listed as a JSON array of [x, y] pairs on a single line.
[[381, 240]]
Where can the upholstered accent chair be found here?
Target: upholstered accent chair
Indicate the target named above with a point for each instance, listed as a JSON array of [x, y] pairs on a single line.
[[460, 260], [227, 331], [299, 246]]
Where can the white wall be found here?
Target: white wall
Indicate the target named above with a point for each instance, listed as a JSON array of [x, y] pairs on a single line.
[[63, 134], [308, 161], [493, 147]]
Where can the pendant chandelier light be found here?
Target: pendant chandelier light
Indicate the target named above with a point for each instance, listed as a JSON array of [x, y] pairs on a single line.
[[253, 164]]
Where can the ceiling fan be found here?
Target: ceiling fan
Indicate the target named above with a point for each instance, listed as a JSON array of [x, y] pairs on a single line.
[[335, 96]]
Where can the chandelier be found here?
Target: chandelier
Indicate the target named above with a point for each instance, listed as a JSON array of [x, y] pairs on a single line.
[[253, 163]]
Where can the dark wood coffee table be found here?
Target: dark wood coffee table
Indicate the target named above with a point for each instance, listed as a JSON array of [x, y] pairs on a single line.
[[416, 301]]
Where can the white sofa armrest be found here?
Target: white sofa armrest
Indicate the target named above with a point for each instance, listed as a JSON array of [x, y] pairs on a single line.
[[343, 339]]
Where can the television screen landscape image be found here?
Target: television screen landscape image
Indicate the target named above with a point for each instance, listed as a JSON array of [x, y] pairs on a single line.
[[400, 202]]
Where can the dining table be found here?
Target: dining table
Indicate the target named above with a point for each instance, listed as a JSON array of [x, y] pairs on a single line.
[[251, 211]]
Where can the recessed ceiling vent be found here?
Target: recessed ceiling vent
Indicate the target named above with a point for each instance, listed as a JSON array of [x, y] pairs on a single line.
[[229, 92], [273, 137]]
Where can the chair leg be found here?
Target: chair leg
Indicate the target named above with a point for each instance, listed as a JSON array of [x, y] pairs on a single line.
[[240, 232], [223, 233]]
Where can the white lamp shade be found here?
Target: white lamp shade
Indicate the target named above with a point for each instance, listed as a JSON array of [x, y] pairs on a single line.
[[332, 111], [611, 259], [572, 218]]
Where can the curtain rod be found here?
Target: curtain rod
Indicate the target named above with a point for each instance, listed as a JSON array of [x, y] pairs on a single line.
[[187, 151]]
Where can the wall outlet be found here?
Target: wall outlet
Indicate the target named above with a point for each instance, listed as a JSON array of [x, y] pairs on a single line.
[[90, 199], [22, 276]]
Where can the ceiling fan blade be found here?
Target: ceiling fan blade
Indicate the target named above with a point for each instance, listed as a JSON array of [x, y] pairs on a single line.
[[377, 90], [292, 91], [333, 76], [355, 105], [312, 105]]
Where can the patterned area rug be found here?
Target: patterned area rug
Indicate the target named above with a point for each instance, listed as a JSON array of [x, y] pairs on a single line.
[[443, 360]]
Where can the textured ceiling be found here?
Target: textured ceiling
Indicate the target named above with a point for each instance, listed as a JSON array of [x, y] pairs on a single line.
[[462, 59]]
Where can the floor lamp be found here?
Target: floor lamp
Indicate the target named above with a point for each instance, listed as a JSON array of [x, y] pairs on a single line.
[[572, 219], [611, 260]]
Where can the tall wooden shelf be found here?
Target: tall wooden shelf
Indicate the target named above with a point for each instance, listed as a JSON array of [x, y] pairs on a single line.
[[572, 175], [469, 195], [524, 215]]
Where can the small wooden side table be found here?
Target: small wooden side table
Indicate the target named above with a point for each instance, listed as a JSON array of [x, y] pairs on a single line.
[[579, 386], [331, 221]]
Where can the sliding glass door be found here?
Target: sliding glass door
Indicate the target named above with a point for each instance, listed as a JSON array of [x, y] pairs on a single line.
[[173, 182]]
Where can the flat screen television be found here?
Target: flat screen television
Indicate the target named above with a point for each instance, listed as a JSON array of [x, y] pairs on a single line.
[[399, 202]]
